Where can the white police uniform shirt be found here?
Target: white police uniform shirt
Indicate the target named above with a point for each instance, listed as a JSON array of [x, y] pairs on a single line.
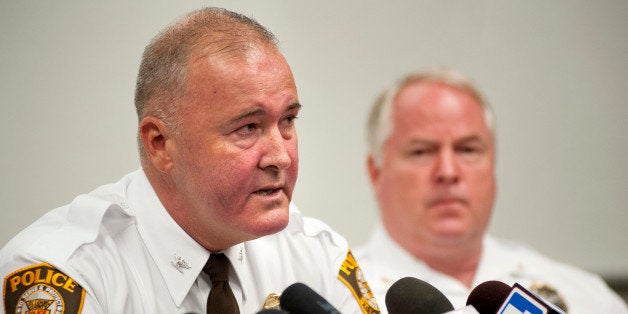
[[117, 250], [385, 262]]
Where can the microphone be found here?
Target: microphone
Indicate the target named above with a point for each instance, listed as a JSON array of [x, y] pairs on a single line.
[[411, 295], [488, 296], [497, 297], [520, 300], [299, 298]]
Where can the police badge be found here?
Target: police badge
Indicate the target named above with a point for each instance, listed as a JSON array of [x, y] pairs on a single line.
[[42, 289]]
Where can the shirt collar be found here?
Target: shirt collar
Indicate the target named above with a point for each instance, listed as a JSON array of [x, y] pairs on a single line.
[[397, 259], [237, 256], [241, 263], [179, 258], [394, 256], [244, 267], [498, 262]]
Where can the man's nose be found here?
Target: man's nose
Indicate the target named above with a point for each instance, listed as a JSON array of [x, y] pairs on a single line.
[[275, 153], [447, 168]]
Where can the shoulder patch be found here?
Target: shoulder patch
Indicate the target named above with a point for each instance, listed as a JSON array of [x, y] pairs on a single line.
[[42, 289], [351, 275]]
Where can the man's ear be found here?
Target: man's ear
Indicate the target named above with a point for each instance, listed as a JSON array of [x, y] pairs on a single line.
[[155, 136], [373, 169]]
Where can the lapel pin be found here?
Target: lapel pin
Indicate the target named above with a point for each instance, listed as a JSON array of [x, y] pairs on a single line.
[[179, 263]]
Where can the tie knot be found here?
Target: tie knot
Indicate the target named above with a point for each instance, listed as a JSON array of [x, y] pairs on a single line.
[[217, 267]]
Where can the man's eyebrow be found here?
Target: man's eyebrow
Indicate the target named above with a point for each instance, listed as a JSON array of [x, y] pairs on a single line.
[[470, 138], [421, 141], [246, 114], [467, 139], [260, 111], [295, 105]]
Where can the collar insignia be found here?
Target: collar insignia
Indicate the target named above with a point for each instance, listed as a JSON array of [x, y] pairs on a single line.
[[179, 263]]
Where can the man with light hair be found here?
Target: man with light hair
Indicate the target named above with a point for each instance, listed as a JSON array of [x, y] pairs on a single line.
[[207, 224], [431, 164]]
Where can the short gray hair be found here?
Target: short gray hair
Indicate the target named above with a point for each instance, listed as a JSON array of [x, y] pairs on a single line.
[[163, 71], [380, 122]]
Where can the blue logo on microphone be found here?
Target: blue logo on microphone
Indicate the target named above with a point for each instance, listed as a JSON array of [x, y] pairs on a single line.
[[520, 302]]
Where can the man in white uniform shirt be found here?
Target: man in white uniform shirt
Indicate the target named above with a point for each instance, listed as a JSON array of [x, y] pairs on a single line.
[[216, 104], [432, 167]]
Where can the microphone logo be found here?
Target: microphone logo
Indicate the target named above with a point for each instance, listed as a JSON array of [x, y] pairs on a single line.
[[520, 301]]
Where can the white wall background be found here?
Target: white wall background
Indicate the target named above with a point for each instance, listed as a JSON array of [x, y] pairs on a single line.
[[555, 71]]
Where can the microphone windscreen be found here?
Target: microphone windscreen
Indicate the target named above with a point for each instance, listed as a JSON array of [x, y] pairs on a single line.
[[299, 298], [412, 295], [488, 296]]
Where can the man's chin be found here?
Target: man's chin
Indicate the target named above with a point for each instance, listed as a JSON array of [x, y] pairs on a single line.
[[272, 222], [450, 230]]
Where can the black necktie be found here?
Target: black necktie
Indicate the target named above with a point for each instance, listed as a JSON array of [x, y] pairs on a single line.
[[221, 299]]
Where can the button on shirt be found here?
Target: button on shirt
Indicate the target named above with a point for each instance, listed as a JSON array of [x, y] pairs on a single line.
[[385, 262], [123, 248]]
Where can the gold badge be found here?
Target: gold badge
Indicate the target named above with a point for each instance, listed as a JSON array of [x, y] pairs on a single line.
[[351, 275], [549, 294], [272, 302], [42, 289]]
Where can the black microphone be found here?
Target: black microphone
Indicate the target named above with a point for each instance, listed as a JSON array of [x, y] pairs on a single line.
[[411, 295], [299, 298], [488, 296], [496, 297]]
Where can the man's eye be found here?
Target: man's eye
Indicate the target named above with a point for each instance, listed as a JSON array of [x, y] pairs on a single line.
[[290, 119], [468, 150], [287, 123], [422, 152], [247, 129]]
